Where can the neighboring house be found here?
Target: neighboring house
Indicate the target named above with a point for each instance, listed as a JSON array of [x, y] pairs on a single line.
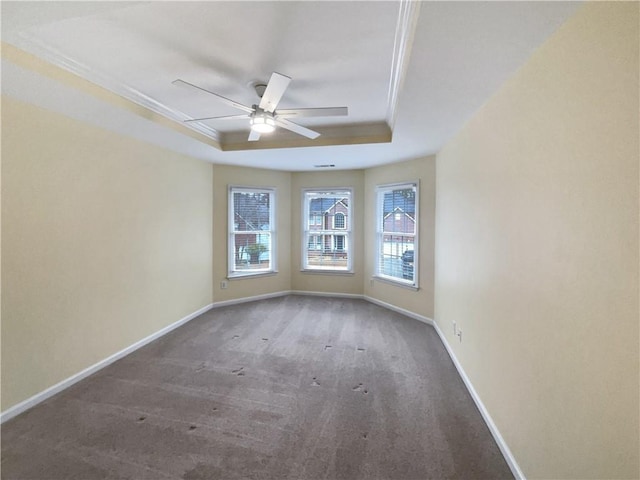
[[326, 214], [399, 216], [399, 222]]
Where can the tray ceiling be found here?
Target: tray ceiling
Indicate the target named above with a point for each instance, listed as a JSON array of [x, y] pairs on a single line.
[[410, 73]]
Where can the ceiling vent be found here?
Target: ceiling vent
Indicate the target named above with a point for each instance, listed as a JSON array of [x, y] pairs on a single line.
[[326, 165]]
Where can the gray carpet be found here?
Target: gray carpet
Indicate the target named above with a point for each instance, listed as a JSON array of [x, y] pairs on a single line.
[[289, 388]]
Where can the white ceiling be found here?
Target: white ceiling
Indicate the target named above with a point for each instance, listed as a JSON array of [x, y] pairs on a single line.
[[422, 69]]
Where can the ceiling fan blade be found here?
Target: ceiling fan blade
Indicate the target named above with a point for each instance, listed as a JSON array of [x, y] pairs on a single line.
[[278, 83], [226, 117], [254, 136], [294, 127], [224, 99], [314, 112]]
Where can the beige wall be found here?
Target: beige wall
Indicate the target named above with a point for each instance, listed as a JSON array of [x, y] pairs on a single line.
[[423, 170], [537, 250], [105, 240], [223, 176], [320, 282]]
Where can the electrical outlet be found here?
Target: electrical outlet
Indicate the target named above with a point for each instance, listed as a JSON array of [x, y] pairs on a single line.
[[371, 282], [459, 334], [224, 284], [455, 328]]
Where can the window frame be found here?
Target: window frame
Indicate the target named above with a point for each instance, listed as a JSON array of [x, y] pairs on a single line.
[[380, 233], [232, 273], [346, 232]]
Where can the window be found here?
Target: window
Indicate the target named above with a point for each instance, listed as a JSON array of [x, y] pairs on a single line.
[[397, 233], [251, 231], [327, 239], [315, 242], [315, 220]]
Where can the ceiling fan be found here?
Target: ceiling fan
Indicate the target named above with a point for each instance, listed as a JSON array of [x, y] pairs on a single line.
[[264, 117]]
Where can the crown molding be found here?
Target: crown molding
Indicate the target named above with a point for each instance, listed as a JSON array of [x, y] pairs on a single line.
[[34, 45], [408, 13]]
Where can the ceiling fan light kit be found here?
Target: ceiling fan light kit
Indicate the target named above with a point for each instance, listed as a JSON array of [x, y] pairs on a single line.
[[263, 118], [261, 121]]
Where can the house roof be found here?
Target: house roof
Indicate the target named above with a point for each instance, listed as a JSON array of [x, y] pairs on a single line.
[[321, 205], [396, 200]]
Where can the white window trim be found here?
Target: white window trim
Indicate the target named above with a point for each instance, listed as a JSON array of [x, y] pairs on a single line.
[[412, 284], [347, 232], [232, 273]]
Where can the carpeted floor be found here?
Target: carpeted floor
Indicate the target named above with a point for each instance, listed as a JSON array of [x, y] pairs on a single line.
[[289, 388]]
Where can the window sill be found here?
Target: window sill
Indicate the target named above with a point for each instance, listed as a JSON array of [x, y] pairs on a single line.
[[240, 276], [397, 283], [328, 272]]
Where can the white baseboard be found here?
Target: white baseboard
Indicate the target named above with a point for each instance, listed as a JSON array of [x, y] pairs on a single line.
[[238, 301], [327, 294], [502, 445], [66, 383], [403, 311]]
